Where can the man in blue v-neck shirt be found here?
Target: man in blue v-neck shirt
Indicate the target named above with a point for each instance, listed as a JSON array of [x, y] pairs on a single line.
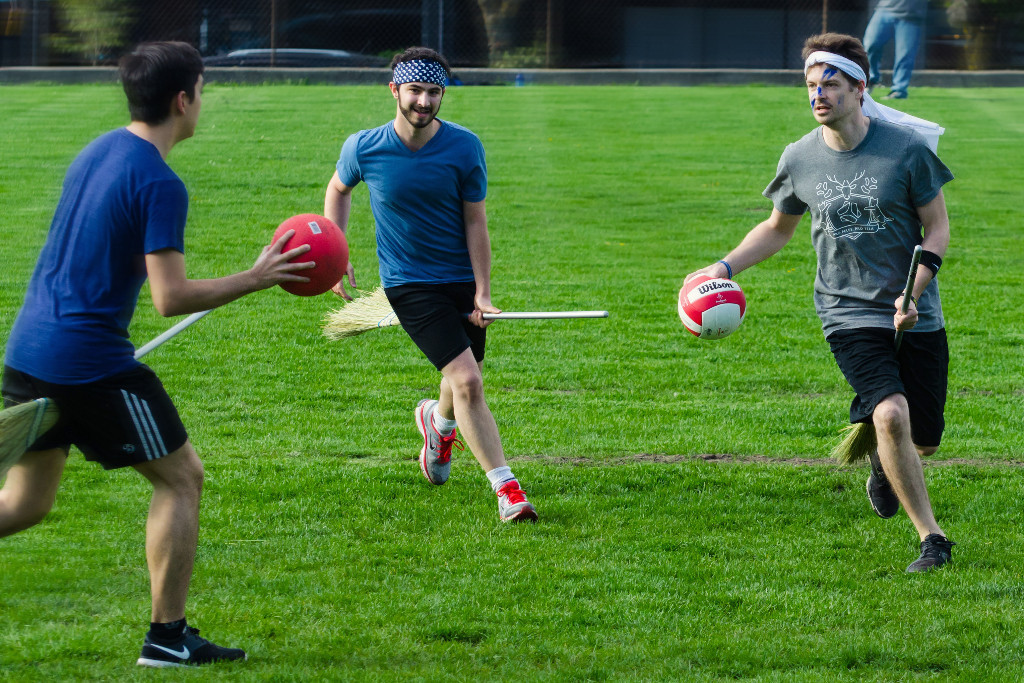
[[428, 183]]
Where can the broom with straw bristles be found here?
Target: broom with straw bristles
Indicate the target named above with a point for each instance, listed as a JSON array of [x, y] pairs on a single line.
[[368, 311], [372, 310], [22, 424], [860, 440]]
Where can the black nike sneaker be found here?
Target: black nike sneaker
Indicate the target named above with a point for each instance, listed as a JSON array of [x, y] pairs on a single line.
[[883, 499], [189, 650], [936, 550]]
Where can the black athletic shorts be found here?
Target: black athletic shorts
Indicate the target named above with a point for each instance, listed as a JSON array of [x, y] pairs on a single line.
[[870, 363], [435, 317], [118, 421]]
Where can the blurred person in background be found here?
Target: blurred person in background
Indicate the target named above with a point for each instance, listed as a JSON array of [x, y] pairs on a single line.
[[902, 20]]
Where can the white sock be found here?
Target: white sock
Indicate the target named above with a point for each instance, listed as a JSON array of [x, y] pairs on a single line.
[[443, 425], [500, 476]]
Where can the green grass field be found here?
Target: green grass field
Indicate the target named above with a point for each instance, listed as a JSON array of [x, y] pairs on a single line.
[[692, 527]]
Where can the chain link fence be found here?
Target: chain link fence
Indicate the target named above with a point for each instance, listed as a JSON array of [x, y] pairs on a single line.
[[766, 34]]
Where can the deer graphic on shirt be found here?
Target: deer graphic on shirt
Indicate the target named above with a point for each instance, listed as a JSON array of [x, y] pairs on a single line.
[[848, 208]]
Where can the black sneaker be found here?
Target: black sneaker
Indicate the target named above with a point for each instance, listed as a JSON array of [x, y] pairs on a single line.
[[883, 499], [936, 550], [189, 650]]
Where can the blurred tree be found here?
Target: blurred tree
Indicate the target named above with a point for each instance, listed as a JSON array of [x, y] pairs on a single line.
[[993, 28], [500, 22], [91, 30]]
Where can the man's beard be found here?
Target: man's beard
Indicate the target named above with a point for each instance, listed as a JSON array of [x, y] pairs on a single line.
[[410, 115]]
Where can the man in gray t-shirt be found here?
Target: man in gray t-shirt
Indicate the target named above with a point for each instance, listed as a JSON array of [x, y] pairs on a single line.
[[863, 204], [874, 192]]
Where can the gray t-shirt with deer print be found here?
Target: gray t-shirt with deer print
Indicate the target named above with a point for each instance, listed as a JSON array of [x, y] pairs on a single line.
[[864, 222]]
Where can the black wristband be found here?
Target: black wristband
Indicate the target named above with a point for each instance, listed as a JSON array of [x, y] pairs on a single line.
[[931, 261]]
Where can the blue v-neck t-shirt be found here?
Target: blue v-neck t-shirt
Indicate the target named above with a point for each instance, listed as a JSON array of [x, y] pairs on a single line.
[[417, 199]]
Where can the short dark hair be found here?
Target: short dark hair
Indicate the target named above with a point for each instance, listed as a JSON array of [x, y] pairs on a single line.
[[841, 44], [153, 74], [414, 53]]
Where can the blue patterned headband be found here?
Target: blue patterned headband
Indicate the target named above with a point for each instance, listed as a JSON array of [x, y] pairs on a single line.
[[420, 71]]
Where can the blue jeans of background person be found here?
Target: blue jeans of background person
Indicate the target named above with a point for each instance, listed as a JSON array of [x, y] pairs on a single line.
[[881, 29]]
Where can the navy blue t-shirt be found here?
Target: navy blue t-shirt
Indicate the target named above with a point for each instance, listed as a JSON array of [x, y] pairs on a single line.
[[120, 201], [416, 198]]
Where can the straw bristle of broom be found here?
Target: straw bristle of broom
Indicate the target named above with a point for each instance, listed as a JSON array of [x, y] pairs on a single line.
[[20, 426], [367, 312], [860, 441]]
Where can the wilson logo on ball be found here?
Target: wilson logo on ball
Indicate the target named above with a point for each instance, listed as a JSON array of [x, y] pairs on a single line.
[[711, 308]]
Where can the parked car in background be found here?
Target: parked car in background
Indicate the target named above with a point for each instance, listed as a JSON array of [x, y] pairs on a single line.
[[371, 27], [294, 57]]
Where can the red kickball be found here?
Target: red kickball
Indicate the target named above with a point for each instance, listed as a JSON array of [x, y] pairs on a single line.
[[329, 250]]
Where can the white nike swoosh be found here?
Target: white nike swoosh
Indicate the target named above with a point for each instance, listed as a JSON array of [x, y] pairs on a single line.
[[184, 654]]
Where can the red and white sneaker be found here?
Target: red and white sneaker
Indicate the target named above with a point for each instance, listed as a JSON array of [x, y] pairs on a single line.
[[436, 454], [512, 504]]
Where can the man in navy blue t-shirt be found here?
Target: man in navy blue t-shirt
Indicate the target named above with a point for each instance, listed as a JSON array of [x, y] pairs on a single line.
[[428, 181], [121, 218]]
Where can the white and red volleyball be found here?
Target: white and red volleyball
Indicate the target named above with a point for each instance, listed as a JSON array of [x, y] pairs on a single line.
[[711, 308], [328, 248]]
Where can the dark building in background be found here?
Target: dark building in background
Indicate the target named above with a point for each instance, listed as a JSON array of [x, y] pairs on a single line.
[[371, 27], [742, 34]]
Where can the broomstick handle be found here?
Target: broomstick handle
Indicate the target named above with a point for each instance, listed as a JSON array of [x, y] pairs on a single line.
[[908, 290], [169, 333], [544, 315]]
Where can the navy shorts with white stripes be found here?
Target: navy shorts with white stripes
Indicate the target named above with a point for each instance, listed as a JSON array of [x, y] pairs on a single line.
[[118, 421]]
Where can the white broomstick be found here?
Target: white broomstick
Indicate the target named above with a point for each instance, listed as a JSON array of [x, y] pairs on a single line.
[[22, 424], [372, 310], [860, 440]]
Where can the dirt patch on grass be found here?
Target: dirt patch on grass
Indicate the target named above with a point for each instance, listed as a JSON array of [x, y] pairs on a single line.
[[726, 458]]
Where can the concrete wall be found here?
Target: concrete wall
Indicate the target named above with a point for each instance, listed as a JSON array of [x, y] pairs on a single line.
[[673, 77]]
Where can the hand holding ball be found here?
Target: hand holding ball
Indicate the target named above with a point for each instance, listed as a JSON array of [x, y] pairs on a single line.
[[711, 308], [328, 249]]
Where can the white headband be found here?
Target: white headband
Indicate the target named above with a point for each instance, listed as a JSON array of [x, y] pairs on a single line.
[[930, 131], [847, 66]]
